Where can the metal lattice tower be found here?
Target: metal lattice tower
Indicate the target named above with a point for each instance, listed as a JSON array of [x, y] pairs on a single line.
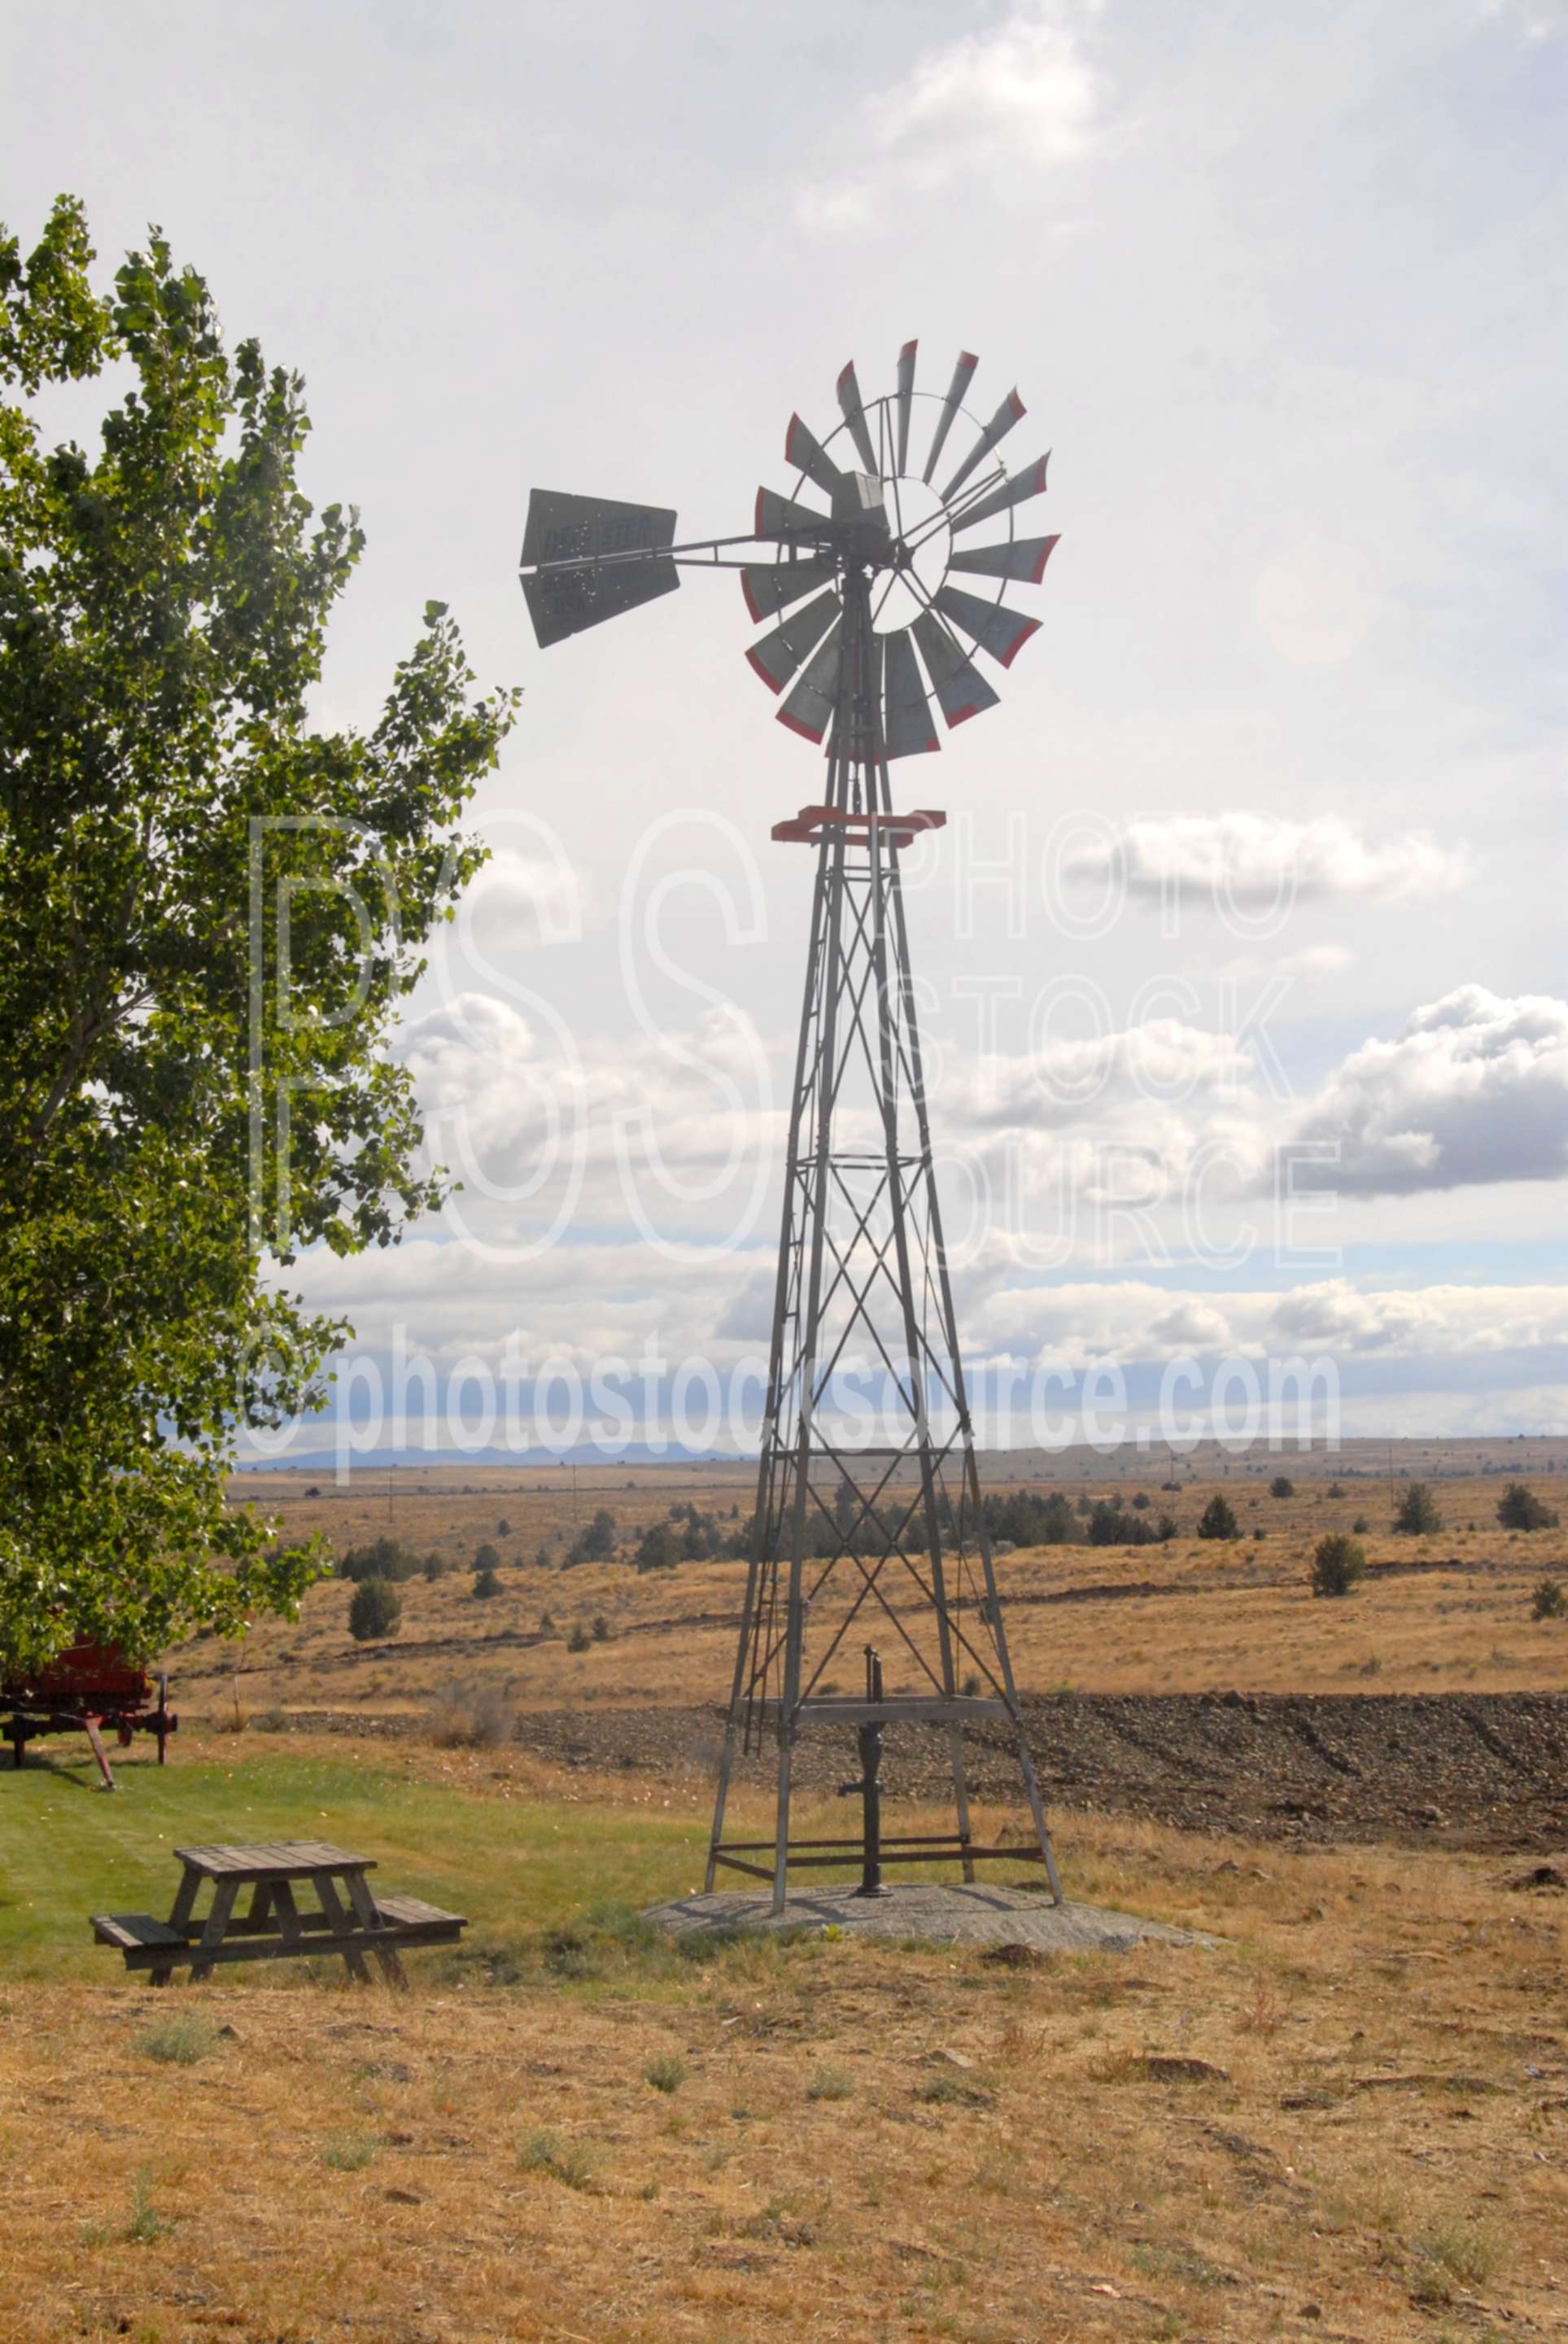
[[847, 1533]]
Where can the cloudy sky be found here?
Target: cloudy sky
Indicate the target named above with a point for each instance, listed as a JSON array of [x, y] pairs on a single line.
[[1260, 861]]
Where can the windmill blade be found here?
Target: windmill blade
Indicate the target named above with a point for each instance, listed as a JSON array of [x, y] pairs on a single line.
[[564, 603], [562, 528], [854, 409], [906, 397], [808, 710], [1026, 557], [996, 629], [1029, 482], [909, 729], [957, 683], [1001, 424], [962, 374], [770, 586], [807, 456], [591, 539], [786, 519], [778, 655]]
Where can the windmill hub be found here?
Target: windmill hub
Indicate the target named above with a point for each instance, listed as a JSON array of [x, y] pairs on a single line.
[[871, 609], [920, 552]]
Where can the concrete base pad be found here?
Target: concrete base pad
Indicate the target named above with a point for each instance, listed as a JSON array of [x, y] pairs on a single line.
[[962, 1915]]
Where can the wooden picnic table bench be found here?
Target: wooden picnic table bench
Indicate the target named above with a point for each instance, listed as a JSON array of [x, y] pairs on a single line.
[[345, 1917]]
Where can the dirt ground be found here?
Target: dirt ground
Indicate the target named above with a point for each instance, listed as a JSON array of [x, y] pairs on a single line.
[[1473, 1771]]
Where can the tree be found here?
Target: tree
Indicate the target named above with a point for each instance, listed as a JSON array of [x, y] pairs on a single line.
[[503, 1527], [1338, 1562], [1282, 1486], [658, 1548], [1548, 1600], [597, 1543], [486, 1557], [486, 1582], [1417, 1512], [1027, 1521], [1109, 1526], [1519, 1509], [383, 1558], [188, 1094], [1217, 1519], [377, 1610]]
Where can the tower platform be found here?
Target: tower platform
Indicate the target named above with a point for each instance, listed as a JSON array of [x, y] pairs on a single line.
[[943, 1912]]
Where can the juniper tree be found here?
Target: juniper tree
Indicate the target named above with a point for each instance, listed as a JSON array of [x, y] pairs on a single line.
[[1519, 1509], [1417, 1513]]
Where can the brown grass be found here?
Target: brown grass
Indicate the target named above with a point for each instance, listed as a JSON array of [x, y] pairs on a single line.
[[994, 2157]]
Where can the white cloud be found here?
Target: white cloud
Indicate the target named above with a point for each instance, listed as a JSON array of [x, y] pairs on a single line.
[[1025, 92], [1133, 1322], [549, 1131], [1255, 861], [1138, 1147], [518, 898], [1160, 1060], [1474, 1089], [582, 1301]]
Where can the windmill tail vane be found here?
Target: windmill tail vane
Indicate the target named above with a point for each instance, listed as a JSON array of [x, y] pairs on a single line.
[[865, 625]]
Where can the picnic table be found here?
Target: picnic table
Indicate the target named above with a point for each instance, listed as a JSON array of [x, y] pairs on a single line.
[[345, 1917]]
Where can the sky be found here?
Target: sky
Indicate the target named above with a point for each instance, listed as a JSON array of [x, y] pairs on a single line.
[[1259, 862]]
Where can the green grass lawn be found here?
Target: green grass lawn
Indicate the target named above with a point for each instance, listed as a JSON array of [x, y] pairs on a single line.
[[515, 1867]]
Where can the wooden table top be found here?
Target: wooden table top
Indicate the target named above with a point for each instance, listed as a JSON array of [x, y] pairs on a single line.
[[272, 1860]]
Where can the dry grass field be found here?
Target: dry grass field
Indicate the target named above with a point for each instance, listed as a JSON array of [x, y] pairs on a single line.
[[1447, 1612], [1346, 2117]]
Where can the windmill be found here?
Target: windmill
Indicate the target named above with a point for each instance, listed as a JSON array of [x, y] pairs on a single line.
[[871, 607]]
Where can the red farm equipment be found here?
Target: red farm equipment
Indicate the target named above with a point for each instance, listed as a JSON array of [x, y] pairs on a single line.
[[83, 1689]]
